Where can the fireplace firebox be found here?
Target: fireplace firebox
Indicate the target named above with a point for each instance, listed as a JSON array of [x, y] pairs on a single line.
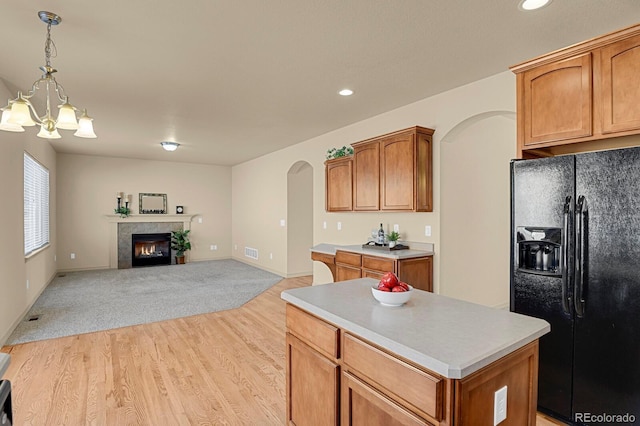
[[150, 249]]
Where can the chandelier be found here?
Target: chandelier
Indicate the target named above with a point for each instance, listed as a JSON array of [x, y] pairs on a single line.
[[20, 112]]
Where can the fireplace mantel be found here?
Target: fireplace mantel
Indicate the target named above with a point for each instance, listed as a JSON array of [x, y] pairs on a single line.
[[151, 218], [115, 219]]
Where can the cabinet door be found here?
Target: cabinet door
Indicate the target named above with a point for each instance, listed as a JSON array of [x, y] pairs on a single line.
[[417, 272], [338, 191], [621, 86], [344, 273], [312, 386], [366, 177], [557, 101], [397, 167], [364, 405]]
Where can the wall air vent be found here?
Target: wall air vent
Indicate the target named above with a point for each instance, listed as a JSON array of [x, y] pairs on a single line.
[[251, 253]]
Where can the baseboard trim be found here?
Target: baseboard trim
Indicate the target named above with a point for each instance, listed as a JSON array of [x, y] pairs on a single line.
[[3, 340], [259, 266]]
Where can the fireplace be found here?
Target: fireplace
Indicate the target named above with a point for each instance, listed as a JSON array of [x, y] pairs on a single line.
[[150, 249]]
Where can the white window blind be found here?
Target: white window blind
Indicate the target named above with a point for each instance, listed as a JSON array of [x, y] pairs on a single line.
[[36, 205]]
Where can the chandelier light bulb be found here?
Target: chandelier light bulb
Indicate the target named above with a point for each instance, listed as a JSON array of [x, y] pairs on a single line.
[[20, 114], [6, 125], [67, 117], [85, 127], [48, 134]]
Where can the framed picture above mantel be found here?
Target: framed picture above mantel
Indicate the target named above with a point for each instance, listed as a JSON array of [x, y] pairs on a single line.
[[152, 203]]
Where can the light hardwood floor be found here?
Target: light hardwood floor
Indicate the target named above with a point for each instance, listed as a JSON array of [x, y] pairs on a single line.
[[220, 368]]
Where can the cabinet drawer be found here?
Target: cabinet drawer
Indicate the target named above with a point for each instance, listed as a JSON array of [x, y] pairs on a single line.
[[376, 275], [329, 259], [378, 263], [318, 334], [347, 258], [400, 380]]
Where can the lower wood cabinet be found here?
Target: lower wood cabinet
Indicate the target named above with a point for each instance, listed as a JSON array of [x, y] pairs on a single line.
[[335, 377], [312, 386], [417, 271], [364, 405]]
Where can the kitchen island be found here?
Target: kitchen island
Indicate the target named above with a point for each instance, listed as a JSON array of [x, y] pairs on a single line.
[[433, 361]]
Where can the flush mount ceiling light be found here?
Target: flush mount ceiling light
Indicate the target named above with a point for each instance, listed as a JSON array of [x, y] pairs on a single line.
[[346, 92], [18, 113], [533, 4], [170, 146]]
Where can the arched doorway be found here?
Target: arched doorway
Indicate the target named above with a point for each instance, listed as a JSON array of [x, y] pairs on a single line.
[[474, 201], [300, 218]]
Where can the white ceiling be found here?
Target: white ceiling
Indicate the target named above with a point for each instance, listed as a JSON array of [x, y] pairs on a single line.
[[233, 80]]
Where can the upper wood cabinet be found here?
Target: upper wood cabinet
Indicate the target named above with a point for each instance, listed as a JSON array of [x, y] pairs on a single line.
[[338, 186], [579, 98], [557, 100], [393, 172], [621, 86], [366, 176]]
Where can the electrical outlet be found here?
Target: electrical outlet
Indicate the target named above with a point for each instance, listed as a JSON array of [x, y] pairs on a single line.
[[339, 226], [427, 231], [396, 228], [27, 284], [73, 256], [199, 220], [500, 406], [271, 256], [283, 222], [324, 225], [55, 258], [235, 247], [213, 247]]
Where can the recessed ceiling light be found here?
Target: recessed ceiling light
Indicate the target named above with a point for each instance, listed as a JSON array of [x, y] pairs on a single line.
[[346, 92], [533, 4], [170, 146]]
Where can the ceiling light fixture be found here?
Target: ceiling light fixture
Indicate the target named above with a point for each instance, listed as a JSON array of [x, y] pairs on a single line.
[[533, 4], [346, 92], [170, 146], [18, 112]]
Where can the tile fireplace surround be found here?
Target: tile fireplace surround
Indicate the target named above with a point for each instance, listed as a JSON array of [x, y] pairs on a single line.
[[121, 228]]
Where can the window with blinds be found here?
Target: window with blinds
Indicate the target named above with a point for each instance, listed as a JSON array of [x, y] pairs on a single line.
[[36, 205]]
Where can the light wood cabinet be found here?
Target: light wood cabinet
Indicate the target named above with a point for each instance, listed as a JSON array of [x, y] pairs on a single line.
[[366, 177], [393, 172], [621, 86], [313, 372], [338, 185], [557, 101], [581, 98], [335, 377], [417, 271]]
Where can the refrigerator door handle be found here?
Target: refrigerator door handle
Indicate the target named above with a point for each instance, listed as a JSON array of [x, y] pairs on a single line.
[[566, 247], [580, 276]]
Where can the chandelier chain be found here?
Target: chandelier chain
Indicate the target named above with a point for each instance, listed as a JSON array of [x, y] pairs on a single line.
[[49, 45]]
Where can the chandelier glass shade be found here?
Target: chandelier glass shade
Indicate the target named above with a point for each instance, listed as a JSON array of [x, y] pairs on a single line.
[[20, 112]]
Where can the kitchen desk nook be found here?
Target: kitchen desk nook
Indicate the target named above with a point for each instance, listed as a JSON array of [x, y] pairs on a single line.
[[433, 361]]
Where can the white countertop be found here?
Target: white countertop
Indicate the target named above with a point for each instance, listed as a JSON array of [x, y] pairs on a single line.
[[394, 254], [4, 363], [448, 336]]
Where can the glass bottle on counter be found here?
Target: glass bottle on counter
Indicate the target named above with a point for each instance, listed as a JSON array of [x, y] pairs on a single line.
[[380, 236]]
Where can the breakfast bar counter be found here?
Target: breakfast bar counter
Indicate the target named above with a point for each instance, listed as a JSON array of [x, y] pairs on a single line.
[[436, 359]]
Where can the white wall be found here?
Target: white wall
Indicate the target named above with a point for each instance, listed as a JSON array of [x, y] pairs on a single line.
[[87, 187], [15, 270], [260, 186]]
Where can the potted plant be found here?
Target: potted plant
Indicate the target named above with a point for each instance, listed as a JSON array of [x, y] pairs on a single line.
[[180, 243], [393, 238], [339, 152]]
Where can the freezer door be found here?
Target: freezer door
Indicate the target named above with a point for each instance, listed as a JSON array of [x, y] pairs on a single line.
[[539, 193], [607, 336]]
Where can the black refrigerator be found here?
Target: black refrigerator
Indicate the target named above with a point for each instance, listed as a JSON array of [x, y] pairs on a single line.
[[575, 262]]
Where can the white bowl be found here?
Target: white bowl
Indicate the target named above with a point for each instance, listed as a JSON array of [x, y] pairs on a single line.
[[389, 298]]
